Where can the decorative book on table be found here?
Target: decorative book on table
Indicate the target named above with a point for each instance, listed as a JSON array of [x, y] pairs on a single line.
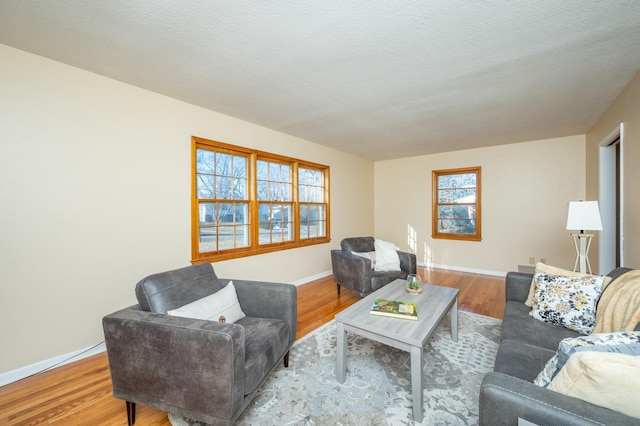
[[395, 309]]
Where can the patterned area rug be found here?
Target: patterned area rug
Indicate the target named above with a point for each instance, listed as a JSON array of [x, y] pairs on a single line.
[[378, 386]]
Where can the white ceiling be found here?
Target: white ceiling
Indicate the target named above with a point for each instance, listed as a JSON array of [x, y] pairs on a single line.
[[380, 79]]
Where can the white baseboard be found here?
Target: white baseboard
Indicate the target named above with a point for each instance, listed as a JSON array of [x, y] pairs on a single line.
[[463, 269], [312, 278], [30, 370]]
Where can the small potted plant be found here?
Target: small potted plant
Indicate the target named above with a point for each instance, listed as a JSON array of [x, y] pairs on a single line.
[[414, 284]]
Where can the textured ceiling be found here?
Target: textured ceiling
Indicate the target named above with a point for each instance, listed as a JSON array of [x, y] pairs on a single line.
[[377, 78]]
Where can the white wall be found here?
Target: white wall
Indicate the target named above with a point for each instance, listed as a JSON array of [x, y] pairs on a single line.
[[95, 187], [526, 188]]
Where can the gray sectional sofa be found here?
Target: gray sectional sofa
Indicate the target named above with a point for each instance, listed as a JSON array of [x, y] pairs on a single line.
[[508, 394]]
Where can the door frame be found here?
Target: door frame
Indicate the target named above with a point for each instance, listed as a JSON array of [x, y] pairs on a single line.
[[608, 193]]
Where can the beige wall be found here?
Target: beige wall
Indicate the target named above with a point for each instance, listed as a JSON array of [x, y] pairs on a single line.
[[624, 109], [526, 188], [95, 186]]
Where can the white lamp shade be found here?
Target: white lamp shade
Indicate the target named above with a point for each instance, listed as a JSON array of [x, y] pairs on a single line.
[[584, 215]]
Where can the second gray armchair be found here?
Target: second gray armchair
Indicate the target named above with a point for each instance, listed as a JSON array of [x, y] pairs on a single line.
[[356, 272]]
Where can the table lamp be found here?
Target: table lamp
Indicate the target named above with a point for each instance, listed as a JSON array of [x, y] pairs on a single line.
[[583, 215]]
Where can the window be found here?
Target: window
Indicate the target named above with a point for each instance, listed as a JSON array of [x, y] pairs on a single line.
[[456, 206], [247, 202], [313, 207]]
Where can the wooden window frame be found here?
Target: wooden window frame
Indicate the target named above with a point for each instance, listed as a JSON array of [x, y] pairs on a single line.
[[254, 247], [477, 236]]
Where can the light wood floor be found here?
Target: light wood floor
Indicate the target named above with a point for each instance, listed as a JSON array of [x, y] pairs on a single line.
[[80, 393]]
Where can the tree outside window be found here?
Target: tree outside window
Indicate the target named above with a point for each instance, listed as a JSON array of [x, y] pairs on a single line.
[[456, 205]]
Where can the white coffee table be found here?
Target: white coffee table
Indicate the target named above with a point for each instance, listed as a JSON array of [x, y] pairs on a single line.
[[433, 304]]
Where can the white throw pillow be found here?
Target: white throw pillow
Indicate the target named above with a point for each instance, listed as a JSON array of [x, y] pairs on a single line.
[[386, 256], [610, 380], [223, 303], [371, 255]]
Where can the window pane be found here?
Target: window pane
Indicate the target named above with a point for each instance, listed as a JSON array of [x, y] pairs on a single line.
[[286, 173], [457, 196], [204, 161], [274, 191], [453, 226], [262, 170], [274, 171], [207, 240], [226, 237], [205, 186], [457, 180], [239, 166], [208, 214], [242, 236], [240, 189], [456, 212], [223, 164], [242, 213], [223, 188], [263, 190]]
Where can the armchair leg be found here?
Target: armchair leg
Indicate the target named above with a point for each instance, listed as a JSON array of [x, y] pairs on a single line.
[[131, 412], [286, 359], [338, 289]]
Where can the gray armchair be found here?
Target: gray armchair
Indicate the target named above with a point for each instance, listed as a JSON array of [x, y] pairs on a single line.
[[202, 370], [355, 272]]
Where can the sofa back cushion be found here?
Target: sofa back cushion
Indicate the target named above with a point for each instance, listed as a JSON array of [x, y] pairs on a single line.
[[169, 290], [358, 244]]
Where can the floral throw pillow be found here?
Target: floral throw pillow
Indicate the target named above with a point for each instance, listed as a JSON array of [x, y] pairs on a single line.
[[567, 301], [623, 342]]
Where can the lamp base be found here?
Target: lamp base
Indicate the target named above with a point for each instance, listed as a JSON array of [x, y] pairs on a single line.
[[582, 242]]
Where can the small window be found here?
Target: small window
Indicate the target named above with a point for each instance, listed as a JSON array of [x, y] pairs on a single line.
[[456, 207]]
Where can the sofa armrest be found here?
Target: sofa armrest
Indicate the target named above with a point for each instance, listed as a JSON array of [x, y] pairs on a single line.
[[517, 286], [351, 271], [408, 262], [269, 300], [183, 365], [504, 399]]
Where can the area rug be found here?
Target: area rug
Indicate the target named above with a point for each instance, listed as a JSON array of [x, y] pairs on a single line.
[[378, 386]]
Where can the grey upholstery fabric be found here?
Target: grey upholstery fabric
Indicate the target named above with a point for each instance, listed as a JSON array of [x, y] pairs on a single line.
[[526, 345], [355, 273], [169, 290], [199, 369]]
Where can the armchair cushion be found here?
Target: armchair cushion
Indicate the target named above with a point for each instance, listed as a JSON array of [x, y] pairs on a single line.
[[221, 304], [266, 341]]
